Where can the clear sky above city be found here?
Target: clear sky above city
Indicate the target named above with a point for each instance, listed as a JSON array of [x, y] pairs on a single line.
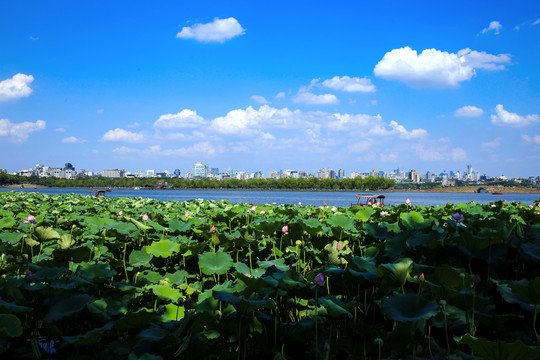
[[253, 85]]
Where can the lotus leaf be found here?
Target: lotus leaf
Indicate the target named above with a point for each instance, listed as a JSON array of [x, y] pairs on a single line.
[[91, 337], [500, 350], [173, 313], [31, 242], [165, 292], [139, 258], [7, 223], [215, 263], [67, 306], [278, 263], [333, 306], [10, 325], [10, 237], [46, 234], [163, 248], [411, 219], [408, 307], [66, 241], [394, 275], [364, 214]]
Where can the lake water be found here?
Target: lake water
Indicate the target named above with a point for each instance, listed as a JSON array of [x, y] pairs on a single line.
[[332, 198]]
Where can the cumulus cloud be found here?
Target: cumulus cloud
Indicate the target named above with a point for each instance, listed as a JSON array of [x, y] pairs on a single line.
[[259, 99], [435, 68], [73, 140], [15, 88], [307, 97], [505, 118], [121, 135], [184, 119], [494, 26], [531, 139], [346, 83], [203, 148], [219, 30], [19, 132], [468, 111]]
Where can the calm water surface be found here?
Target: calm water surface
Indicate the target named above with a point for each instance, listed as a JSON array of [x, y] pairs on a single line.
[[332, 198]]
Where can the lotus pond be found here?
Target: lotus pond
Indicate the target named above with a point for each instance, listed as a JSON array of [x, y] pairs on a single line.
[[132, 278]]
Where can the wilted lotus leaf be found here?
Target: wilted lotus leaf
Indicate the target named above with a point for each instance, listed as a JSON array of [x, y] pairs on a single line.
[[66, 241], [334, 252], [45, 234], [500, 350], [408, 307], [10, 325], [163, 248], [215, 263], [394, 275]]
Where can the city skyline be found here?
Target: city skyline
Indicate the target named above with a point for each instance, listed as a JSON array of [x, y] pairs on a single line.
[[261, 87]]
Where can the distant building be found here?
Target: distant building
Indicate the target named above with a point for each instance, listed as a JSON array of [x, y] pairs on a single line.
[[199, 170], [273, 175], [68, 166], [114, 173], [150, 173], [177, 173], [414, 176], [326, 174], [341, 174]]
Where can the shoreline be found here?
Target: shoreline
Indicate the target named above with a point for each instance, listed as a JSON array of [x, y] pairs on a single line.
[[450, 189]]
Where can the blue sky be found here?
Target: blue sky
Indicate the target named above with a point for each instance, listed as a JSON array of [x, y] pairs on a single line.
[[267, 86]]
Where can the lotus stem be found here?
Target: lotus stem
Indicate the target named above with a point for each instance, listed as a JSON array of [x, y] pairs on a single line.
[[124, 261], [39, 254], [250, 263], [534, 323], [328, 285], [316, 325]]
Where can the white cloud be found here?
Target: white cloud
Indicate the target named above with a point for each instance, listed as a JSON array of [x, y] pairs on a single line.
[[60, 129], [306, 97], [220, 30], [134, 125], [435, 68], [505, 118], [280, 95], [184, 119], [346, 83], [249, 121], [15, 88], [122, 135], [259, 99], [458, 154], [99, 111], [536, 22], [203, 148], [468, 111], [19, 132], [531, 139], [494, 26], [491, 145], [73, 140]]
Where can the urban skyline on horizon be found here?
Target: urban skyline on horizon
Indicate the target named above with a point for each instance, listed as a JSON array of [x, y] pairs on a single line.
[[256, 86]]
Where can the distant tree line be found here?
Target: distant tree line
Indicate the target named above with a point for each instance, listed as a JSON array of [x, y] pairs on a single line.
[[177, 183]]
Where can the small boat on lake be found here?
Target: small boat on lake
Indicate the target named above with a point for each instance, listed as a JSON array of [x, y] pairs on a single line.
[[497, 193], [369, 199]]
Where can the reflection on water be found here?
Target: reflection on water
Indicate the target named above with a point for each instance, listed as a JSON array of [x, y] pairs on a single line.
[[332, 198]]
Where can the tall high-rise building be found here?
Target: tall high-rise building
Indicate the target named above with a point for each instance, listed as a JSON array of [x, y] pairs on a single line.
[[341, 174], [414, 176], [198, 170]]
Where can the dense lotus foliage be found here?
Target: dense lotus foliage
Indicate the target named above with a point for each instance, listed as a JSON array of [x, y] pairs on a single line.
[[132, 278]]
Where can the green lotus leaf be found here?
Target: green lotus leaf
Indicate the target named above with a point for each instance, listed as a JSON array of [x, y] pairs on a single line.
[[177, 226], [500, 350], [408, 307], [341, 221], [90, 337], [93, 270], [278, 263], [334, 307], [394, 275], [215, 263], [411, 219], [138, 224], [7, 222], [177, 277], [153, 333], [139, 258], [66, 241], [242, 304], [363, 214], [46, 234], [10, 238], [163, 248], [122, 228], [165, 292], [31, 242], [10, 325], [173, 312], [137, 319], [67, 306], [12, 307], [523, 292]]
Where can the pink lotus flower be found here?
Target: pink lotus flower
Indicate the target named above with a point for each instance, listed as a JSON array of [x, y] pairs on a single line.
[[299, 203], [384, 213], [531, 206], [29, 273], [112, 215], [319, 280], [31, 218], [493, 205], [324, 204], [25, 222], [187, 214], [213, 228], [254, 208], [120, 213], [263, 212], [338, 246], [422, 277], [145, 217], [334, 209], [408, 201], [285, 229]]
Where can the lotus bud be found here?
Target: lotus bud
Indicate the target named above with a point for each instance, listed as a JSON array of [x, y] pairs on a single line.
[[31, 218], [378, 342], [29, 273], [145, 217], [422, 278], [338, 246], [319, 280], [298, 242], [285, 229]]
